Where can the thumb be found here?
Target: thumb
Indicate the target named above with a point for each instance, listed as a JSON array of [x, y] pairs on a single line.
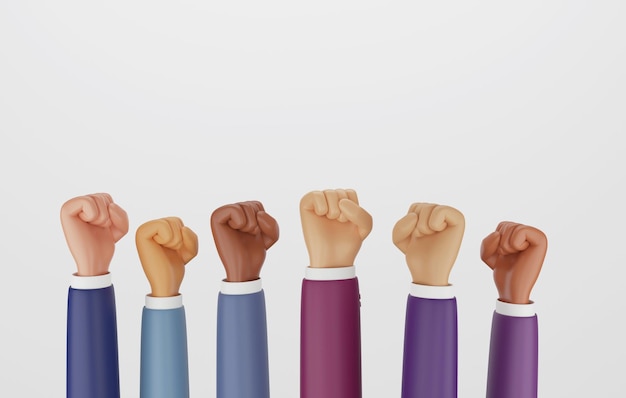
[[356, 215]]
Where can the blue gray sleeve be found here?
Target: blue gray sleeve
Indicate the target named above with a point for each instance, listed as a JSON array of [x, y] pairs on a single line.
[[242, 359], [164, 364]]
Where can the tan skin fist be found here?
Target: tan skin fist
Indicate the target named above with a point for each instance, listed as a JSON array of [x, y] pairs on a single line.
[[92, 224], [430, 236], [334, 227], [165, 246], [515, 252], [242, 233]]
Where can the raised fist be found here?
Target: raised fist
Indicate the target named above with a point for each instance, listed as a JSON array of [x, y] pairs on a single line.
[[430, 236], [242, 233], [164, 246], [92, 224], [334, 227], [515, 253]]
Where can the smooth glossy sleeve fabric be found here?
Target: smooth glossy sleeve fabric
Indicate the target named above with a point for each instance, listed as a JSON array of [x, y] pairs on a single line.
[[164, 363], [430, 348], [92, 353], [242, 355], [330, 340], [513, 357]]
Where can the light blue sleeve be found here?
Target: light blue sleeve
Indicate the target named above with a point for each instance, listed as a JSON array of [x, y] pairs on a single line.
[[242, 359], [164, 364]]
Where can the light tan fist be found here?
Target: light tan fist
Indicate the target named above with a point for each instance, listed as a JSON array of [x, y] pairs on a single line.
[[430, 236], [164, 246], [334, 227]]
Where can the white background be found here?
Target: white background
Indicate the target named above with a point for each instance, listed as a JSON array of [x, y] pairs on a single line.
[[504, 110]]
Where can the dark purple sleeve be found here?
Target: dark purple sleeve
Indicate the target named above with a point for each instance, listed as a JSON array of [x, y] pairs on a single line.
[[513, 357], [430, 348], [330, 340]]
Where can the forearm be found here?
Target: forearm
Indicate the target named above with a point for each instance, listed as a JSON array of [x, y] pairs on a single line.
[[242, 355], [330, 341], [92, 352], [164, 364], [430, 343], [513, 353]]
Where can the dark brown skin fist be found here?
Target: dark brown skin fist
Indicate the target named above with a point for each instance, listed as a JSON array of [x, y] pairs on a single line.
[[242, 233], [515, 253]]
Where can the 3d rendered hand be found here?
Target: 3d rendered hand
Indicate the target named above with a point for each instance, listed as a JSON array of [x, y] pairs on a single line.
[[430, 236], [242, 233], [334, 227], [515, 253], [164, 246], [92, 224]]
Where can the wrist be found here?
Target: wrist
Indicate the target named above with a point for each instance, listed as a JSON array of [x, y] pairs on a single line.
[[432, 292], [515, 310], [90, 282], [241, 288], [164, 303]]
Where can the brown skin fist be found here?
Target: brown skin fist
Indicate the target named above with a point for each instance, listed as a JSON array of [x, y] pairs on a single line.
[[334, 227], [92, 224], [515, 253], [242, 233], [430, 236], [164, 246]]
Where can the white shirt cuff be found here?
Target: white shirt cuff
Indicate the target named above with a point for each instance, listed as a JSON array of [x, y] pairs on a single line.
[[164, 303], [330, 274], [432, 292], [91, 282], [516, 310], [240, 288]]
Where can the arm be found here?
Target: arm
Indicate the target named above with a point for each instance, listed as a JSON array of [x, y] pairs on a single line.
[[430, 237], [430, 343], [242, 358], [92, 352], [514, 352], [330, 352], [164, 364], [515, 252]]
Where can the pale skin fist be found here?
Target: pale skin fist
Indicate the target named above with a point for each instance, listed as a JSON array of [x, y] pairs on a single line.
[[515, 252], [334, 227], [165, 246], [430, 236], [242, 233], [92, 224]]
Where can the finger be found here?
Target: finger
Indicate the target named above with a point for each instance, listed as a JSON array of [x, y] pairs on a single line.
[[341, 194], [176, 240], [352, 195], [489, 249], [269, 228], [525, 236], [314, 201], [535, 237], [83, 207], [445, 216], [416, 208], [159, 230], [423, 217], [250, 225], [119, 221], [358, 216], [102, 219], [189, 247], [403, 230], [332, 198], [231, 214], [505, 240]]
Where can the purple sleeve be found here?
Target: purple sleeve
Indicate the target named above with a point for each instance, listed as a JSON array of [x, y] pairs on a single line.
[[330, 340], [430, 348], [513, 357]]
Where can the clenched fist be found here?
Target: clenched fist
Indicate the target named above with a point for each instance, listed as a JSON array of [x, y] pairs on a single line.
[[334, 227], [430, 236], [164, 246], [242, 233], [92, 224], [515, 253]]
